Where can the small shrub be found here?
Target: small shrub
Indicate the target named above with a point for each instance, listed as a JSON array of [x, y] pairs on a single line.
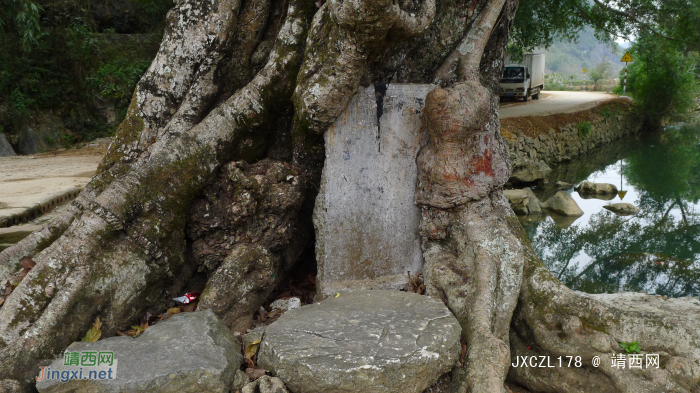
[[67, 139], [631, 347], [606, 112], [584, 129]]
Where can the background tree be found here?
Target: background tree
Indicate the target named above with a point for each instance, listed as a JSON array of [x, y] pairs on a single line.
[[599, 72], [74, 59], [22, 18], [663, 78]]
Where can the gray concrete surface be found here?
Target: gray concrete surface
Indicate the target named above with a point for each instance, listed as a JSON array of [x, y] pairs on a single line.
[[365, 217], [33, 185], [552, 102]]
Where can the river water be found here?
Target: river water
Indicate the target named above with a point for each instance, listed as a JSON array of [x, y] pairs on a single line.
[[656, 251]]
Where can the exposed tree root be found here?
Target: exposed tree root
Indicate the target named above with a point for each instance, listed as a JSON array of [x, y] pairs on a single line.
[[552, 320], [246, 227], [128, 244]]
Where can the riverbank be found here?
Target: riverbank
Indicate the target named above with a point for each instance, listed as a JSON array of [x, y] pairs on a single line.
[[654, 250], [537, 142]]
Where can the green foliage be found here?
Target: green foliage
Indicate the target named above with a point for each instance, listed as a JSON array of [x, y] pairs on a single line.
[[21, 16], [116, 79], [78, 63], [631, 347], [663, 78], [584, 129], [606, 112], [538, 23]]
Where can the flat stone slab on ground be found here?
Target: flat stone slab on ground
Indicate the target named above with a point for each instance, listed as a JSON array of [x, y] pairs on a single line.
[[365, 216], [363, 341], [191, 352]]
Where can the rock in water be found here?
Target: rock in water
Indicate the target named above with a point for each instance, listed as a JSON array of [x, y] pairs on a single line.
[[523, 202], [528, 171], [363, 341], [588, 187], [563, 203], [622, 209], [191, 352]]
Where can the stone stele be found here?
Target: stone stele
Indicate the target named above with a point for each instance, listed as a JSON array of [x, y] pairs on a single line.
[[365, 217], [363, 341]]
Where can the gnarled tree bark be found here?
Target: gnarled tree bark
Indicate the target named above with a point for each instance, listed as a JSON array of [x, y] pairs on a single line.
[[231, 114]]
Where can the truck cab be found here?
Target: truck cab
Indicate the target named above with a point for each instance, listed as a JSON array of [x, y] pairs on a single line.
[[523, 81]]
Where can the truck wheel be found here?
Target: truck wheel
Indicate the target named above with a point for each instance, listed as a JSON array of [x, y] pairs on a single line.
[[536, 96], [525, 98]]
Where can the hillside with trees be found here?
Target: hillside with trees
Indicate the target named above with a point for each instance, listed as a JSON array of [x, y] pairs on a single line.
[[568, 58]]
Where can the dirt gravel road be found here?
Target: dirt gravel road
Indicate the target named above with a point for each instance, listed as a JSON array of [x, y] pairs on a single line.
[[552, 102]]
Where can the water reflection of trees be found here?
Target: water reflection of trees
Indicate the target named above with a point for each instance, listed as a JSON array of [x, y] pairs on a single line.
[[656, 251]]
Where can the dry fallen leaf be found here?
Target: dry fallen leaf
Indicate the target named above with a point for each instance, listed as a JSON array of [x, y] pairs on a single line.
[[27, 263], [173, 311], [252, 349], [337, 294], [136, 330], [94, 333]]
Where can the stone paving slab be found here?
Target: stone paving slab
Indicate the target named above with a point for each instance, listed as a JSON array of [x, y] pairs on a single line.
[[363, 341]]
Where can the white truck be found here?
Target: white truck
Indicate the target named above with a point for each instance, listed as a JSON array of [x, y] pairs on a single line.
[[522, 81]]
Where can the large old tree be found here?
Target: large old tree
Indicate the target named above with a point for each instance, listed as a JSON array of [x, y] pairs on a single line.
[[213, 174]]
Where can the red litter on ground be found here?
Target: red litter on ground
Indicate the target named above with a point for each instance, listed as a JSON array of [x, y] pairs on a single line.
[[189, 296]]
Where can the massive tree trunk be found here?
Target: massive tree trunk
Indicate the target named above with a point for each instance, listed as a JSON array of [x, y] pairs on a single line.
[[214, 171]]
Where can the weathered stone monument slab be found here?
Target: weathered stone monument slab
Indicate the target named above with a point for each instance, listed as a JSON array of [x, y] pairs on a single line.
[[365, 216]]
